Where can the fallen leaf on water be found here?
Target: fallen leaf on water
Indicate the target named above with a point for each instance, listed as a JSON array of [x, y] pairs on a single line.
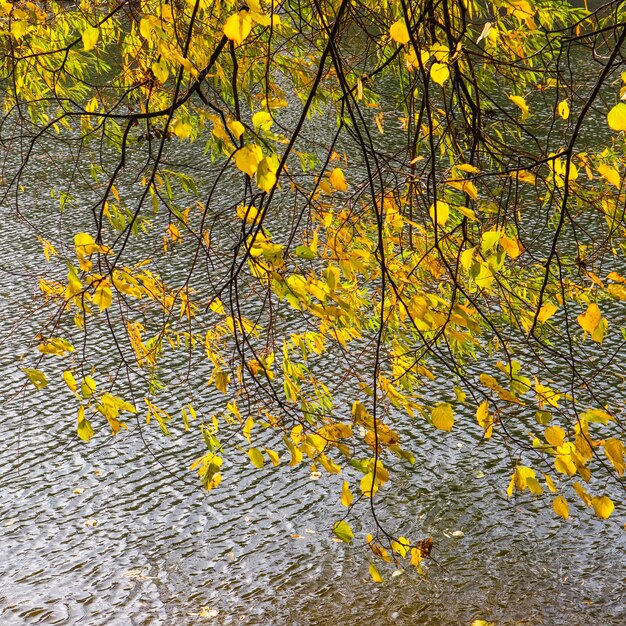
[[206, 611], [316, 475], [310, 531], [78, 490], [297, 536], [91, 522], [99, 473]]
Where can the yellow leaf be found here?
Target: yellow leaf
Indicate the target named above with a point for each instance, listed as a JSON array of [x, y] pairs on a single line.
[[256, 457], [563, 463], [375, 574], [338, 180], [554, 435], [614, 450], [550, 483], [512, 246], [563, 109], [440, 212], [346, 495], [590, 320], [266, 173], [368, 485], [262, 120], [160, 72], [37, 377], [401, 546], [236, 128], [181, 128], [466, 167], [484, 418], [103, 296], [70, 381], [88, 387], [617, 117], [274, 457], [603, 506], [84, 429], [560, 506], [521, 103], [546, 312], [399, 32], [443, 417], [247, 427], [584, 496], [90, 38], [238, 26], [524, 176], [439, 72], [247, 159], [610, 174], [343, 531], [467, 258]]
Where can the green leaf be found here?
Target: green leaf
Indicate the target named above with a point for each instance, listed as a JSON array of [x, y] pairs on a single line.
[[343, 531], [304, 252]]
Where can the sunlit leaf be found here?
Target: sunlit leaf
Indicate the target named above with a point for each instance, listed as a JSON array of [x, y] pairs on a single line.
[[338, 180], [440, 212], [617, 117], [343, 531], [560, 506], [443, 416], [238, 26], [375, 574], [90, 38], [346, 494], [256, 458], [521, 103], [439, 72], [399, 32], [603, 506]]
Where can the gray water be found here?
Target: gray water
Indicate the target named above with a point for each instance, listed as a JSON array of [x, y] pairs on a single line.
[[117, 531]]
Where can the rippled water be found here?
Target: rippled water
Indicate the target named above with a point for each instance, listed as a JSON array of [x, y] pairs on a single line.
[[118, 532]]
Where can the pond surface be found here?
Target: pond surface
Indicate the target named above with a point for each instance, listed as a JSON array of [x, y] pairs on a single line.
[[118, 532]]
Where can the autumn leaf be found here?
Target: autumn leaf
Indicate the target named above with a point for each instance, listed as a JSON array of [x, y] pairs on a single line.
[[439, 212], [617, 117], [90, 38], [238, 26], [247, 159], [560, 506], [256, 458], [439, 72], [346, 495], [399, 32], [337, 180], [521, 103], [590, 319], [343, 531], [443, 417], [603, 506], [375, 574]]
